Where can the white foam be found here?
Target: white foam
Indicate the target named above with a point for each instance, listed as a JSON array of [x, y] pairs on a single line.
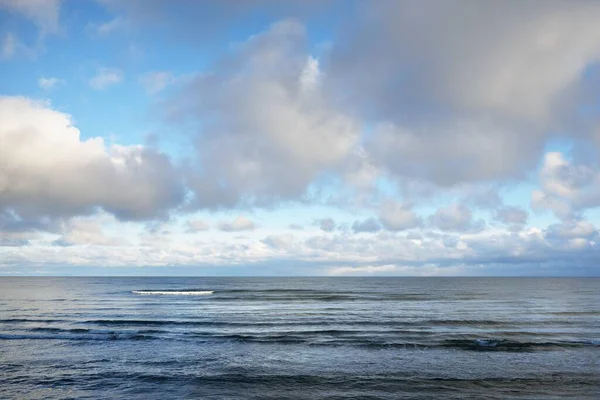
[[174, 292]]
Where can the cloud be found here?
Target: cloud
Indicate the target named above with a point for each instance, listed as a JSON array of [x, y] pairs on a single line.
[[106, 28], [11, 46], [511, 215], [266, 131], [47, 170], [196, 225], [241, 223], [572, 230], [210, 23], [325, 224], [49, 83], [366, 270], [106, 77], [154, 82], [567, 189], [367, 225], [463, 91], [280, 242], [397, 217], [43, 13], [88, 231], [455, 217]]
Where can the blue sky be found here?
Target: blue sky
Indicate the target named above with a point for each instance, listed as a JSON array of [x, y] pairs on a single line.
[[299, 138]]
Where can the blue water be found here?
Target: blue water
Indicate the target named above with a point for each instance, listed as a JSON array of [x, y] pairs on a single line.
[[299, 338]]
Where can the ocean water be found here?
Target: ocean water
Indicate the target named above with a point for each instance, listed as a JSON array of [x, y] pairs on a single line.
[[299, 338]]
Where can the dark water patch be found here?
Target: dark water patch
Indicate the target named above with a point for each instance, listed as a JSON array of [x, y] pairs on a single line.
[[77, 337], [39, 320], [49, 329], [466, 322], [514, 346]]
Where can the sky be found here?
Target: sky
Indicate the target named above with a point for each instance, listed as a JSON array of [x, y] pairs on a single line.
[[313, 137]]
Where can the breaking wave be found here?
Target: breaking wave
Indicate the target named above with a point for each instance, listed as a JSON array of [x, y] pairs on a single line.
[[175, 292]]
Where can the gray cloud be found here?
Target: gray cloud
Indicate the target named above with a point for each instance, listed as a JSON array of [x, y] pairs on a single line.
[[326, 224], [511, 215], [454, 88], [367, 225], [455, 217], [271, 132]]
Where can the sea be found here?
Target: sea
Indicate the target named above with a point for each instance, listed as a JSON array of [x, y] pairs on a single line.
[[299, 338]]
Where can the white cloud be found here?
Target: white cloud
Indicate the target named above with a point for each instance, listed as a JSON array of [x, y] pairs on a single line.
[[46, 169], [241, 223], [88, 231], [106, 77], [363, 270], [49, 83]]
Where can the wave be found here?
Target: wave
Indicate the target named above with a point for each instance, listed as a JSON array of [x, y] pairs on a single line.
[[316, 337], [174, 292], [77, 337]]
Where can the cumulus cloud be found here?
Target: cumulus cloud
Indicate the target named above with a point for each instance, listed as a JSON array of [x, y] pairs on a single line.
[[46, 169], [88, 231], [455, 88], [240, 223], [455, 217], [397, 216], [566, 188], [572, 230], [106, 77], [266, 131]]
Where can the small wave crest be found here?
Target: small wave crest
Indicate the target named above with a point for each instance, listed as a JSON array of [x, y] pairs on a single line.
[[174, 292]]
